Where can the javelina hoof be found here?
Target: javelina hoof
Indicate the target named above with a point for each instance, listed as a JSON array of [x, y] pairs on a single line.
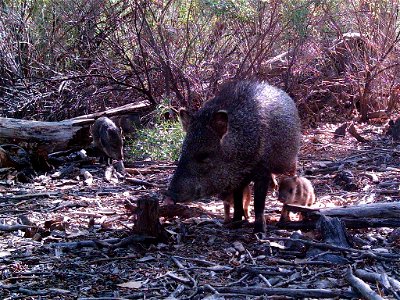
[[259, 227], [236, 224]]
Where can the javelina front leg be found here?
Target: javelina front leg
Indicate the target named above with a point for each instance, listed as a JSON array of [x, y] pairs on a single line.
[[227, 208], [284, 215], [238, 211], [260, 192]]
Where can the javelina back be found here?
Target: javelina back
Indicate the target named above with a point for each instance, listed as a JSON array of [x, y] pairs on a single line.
[[295, 190], [248, 131], [107, 138]]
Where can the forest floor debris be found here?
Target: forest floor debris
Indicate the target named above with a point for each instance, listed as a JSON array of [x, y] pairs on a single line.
[[62, 238]]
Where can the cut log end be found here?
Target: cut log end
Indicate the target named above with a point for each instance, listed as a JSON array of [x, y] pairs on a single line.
[[147, 222]]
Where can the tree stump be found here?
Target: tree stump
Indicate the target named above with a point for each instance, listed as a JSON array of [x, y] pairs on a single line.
[[147, 221], [334, 233]]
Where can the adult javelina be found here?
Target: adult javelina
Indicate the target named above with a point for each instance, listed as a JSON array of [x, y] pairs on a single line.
[[248, 131], [107, 138]]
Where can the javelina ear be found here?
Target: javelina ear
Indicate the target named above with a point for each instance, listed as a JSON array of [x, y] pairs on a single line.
[[185, 118], [219, 122]]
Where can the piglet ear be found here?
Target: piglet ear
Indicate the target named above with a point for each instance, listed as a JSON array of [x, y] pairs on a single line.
[[219, 123], [185, 118]]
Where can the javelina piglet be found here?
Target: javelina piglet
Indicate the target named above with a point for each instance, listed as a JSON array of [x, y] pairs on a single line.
[[295, 190], [108, 139], [228, 200], [247, 132], [228, 203]]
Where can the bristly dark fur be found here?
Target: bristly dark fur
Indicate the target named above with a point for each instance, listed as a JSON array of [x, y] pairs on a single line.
[[107, 138], [262, 136]]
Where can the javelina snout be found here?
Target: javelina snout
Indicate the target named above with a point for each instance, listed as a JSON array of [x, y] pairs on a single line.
[[247, 132], [199, 169], [107, 138]]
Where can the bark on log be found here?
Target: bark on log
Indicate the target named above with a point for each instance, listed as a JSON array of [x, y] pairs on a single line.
[[56, 136], [349, 223], [387, 210], [333, 233], [386, 214]]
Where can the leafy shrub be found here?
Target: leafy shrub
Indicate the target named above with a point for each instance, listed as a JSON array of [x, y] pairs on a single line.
[[161, 140]]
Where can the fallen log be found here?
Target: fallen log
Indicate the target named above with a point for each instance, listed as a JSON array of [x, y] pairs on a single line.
[[349, 223], [57, 136], [386, 210], [385, 214]]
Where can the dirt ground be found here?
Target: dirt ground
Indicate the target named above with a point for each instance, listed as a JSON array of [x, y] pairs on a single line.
[[59, 235]]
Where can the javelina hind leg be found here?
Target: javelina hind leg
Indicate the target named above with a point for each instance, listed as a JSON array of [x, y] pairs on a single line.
[[238, 211], [260, 192], [227, 208], [246, 201]]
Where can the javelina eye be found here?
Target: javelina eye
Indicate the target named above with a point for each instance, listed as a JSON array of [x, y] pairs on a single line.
[[203, 157], [291, 191]]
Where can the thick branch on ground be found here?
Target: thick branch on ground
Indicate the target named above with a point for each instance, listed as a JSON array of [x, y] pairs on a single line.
[[390, 284], [289, 292], [386, 210], [16, 227], [361, 287]]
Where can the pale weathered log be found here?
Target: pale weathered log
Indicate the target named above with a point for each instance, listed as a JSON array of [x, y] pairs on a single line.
[[352, 223], [56, 136], [385, 214], [121, 110], [386, 210]]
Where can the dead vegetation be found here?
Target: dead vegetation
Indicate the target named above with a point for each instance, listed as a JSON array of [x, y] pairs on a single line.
[[70, 230], [64, 237], [61, 60]]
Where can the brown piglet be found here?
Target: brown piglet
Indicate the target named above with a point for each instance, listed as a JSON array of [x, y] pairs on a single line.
[[295, 190], [228, 202]]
